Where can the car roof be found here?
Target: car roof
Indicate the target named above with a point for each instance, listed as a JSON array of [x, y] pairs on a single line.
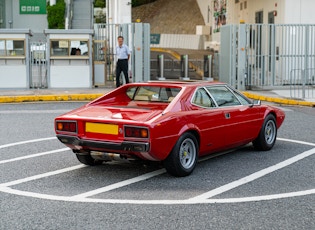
[[179, 83]]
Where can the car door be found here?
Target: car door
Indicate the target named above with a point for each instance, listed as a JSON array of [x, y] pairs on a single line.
[[240, 117], [209, 120]]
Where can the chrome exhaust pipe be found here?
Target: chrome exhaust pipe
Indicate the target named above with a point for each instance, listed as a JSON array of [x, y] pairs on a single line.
[[108, 156]]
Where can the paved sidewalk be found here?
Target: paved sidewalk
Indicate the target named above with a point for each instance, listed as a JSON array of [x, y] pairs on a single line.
[[37, 95], [33, 95]]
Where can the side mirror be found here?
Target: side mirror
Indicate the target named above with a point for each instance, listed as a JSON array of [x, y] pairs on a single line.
[[255, 103]]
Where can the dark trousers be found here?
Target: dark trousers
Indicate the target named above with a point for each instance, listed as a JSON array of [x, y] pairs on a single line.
[[122, 66]]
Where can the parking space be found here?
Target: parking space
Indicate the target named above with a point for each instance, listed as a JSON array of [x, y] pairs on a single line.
[[36, 165]]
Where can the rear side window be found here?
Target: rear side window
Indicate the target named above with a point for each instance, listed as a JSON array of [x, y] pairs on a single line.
[[202, 98], [152, 93], [223, 96]]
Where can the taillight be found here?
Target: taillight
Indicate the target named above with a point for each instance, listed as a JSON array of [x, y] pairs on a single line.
[[136, 132], [66, 126]]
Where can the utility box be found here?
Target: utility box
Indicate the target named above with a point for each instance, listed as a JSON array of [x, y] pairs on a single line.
[[69, 55], [14, 58]]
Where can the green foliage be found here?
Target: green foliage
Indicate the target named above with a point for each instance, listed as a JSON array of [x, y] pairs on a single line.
[[56, 15], [100, 3], [140, 2]]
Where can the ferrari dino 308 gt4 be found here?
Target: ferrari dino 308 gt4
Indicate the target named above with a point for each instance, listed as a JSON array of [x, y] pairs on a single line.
[[171, 122]]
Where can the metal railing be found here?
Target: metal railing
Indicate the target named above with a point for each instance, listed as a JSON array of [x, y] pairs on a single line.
[[178, 69], [302, 83]]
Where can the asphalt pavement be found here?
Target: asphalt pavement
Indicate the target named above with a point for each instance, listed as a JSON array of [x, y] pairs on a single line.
[[43, 185]]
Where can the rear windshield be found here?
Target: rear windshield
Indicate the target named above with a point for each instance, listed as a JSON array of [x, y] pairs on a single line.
[[152, 93]]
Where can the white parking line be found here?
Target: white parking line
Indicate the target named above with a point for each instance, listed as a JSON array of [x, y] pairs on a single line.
[[160, 202], [34, 155], [203, 198], [297, 142], [253, 176], [27, 142], [120, 184], [39, 176]]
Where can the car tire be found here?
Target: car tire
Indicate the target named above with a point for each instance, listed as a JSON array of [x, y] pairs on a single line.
[[267, 135], [183, 157], [88, 160]]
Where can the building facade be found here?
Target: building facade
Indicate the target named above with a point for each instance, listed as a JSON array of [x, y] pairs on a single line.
[[16, 14], [217, 13]]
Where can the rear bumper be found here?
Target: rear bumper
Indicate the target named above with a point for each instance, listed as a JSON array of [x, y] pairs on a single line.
[[123, 147]]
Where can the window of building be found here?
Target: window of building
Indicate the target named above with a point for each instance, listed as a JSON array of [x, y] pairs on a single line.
[[12, 47], [245, 5], [241, 6], [66, 47], [237, 1]]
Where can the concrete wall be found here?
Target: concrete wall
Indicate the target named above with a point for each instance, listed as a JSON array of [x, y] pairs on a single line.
[[206, 14], [119, 11], [182, 41], [238, 12], [35, 22], [288, 11], [299, 11]]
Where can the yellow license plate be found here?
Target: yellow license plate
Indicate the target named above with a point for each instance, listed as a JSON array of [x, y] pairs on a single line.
[[101, 128]]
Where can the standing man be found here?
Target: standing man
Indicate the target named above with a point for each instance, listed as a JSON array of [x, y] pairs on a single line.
[[123, 55]]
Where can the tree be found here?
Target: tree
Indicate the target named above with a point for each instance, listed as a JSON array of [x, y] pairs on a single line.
[[56, 15], [100, 3]]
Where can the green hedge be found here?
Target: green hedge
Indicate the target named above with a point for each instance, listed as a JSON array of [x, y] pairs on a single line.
[[140, 2], [99, 3], [56, 15]]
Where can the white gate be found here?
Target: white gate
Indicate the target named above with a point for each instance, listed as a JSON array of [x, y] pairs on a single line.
[[136, 36], [38, 65], [268, 55]]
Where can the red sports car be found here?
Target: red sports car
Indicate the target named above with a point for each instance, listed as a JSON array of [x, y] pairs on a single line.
[[172, 122]]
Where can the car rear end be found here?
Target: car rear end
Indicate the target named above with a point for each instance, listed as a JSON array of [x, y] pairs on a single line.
[[122, 136]]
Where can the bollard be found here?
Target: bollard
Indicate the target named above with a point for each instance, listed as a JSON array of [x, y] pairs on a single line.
[[207, 68], [161, 67], [184, 67]]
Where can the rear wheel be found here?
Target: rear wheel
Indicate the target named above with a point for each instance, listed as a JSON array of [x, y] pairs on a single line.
[[267, 135], [88, 160], [183, 158]]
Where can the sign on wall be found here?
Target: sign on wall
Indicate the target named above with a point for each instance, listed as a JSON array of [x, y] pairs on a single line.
[[219, 9], [155, 38], [33, 6]]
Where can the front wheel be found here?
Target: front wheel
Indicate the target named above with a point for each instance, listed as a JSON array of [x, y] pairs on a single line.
[[267, 135], [88, 160], [183, 158]]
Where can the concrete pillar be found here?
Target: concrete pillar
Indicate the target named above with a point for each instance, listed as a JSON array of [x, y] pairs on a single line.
[[52, 2], [119, 11]]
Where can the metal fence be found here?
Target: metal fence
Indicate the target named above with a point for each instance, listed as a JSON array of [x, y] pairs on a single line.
[[268, 55], [136, 36], [38, 65], [173, 69]]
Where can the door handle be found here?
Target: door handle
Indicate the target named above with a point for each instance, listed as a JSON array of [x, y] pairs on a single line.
[[227, 115]]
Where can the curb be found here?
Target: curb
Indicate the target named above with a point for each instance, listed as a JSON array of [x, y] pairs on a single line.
[[89, 97], [37, 98], [282, 101]]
